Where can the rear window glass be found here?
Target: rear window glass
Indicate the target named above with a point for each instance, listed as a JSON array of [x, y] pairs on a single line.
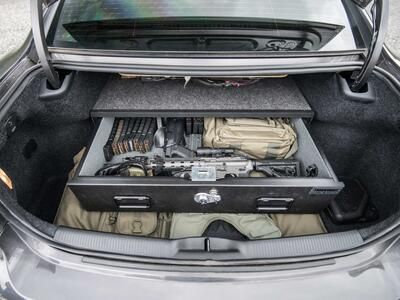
[[203, 25]]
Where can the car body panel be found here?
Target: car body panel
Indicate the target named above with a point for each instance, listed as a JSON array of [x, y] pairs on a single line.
[[32, 269]]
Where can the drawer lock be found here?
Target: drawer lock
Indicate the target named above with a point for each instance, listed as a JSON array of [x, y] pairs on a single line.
[[207, 198]]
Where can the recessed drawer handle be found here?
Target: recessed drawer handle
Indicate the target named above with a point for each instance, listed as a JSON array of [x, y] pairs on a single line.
[[132, 202], [267, 208], [274, 204], [144, 206]]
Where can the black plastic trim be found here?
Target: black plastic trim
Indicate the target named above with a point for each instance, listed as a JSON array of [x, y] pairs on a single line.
[[219, 249], [47, 93], [367, 95]]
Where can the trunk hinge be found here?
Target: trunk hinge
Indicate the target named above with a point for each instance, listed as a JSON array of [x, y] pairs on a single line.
[[362, 3], [49, 2], [39, 38], [380, 16]]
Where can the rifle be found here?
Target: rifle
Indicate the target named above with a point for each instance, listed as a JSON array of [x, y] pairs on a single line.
[[206, 168]]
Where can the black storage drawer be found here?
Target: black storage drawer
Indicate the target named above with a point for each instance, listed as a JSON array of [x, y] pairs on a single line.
[[247, 195], [230, 195]]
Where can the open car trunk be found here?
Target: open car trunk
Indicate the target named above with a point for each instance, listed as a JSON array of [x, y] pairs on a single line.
[[345, 174]]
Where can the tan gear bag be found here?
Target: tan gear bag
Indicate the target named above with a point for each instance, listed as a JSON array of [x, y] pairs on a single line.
[[254, 226], [258, 138], [71, 214]]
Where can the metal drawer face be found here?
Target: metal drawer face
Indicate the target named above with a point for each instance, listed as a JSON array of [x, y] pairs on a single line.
[[235, 195]]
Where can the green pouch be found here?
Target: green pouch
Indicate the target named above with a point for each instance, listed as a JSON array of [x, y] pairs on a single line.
[[163, 226], [254, 226], [136, 223]]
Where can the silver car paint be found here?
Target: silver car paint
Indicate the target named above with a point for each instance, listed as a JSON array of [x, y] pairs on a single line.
[[32, 269]]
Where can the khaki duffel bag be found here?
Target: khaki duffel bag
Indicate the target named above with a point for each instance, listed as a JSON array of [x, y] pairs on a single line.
[[72, 214], [254, 226], [258, 138]]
